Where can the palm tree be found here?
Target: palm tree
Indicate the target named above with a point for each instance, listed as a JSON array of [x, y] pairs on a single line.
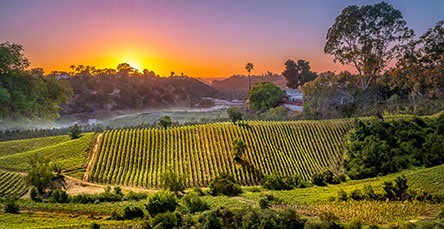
[[249, 66]]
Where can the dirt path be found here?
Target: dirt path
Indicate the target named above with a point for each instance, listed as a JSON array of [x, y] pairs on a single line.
[[76, 186], [91, 159]]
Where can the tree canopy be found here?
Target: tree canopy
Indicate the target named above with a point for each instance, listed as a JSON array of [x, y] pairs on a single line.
[[368, 38], [298, 73], [27, 94], [264, 96]]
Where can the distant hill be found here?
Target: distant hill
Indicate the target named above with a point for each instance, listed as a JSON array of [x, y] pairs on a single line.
[[112, 92], [237, 86]]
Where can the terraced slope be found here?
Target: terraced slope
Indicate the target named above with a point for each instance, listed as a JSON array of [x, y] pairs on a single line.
[[11, 184], [139, 157]]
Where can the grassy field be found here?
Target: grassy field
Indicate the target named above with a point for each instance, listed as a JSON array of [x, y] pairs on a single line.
[[139, 157]]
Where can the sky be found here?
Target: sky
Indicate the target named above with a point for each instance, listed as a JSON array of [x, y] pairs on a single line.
[[199, 38]]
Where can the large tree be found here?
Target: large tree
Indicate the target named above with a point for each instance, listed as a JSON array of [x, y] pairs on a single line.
[[368, 38], [264, 96], [297, 74]]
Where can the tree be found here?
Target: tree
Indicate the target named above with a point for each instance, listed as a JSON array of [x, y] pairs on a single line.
[[249, 66], [297, 74], [421, 67], [12, 58], [234, 114], [165, 121], [264, 96], [239, 148], [368, 38], [40, 175], [75, 132]]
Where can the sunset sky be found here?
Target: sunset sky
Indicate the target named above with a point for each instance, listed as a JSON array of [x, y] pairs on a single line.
[[200, 38]]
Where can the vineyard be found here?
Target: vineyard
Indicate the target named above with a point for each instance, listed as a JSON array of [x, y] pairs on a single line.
[[139, 157], [11, 184]]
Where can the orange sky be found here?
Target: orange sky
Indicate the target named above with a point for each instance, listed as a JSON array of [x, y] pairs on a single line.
[[200, 38]]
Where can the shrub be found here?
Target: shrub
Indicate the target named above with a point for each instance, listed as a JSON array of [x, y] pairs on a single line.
[[164, 220], [195, 204], [59, 196], [342, 195], [357, 194], [172, 181], [354, 224], [289, 219], [161, 202], [11, 206], [131, 212], [35, 195], [224, 184], [94, 226], [278, 182], [263, 203], [135, 195]]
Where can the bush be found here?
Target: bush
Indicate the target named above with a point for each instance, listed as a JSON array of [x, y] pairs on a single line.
[[322, 179], [94, 226], [195, 204], [161, 202], [11, 206], [342, 195], [278, 182], [135, 195], [35, 195], [172, 181], [131, 212], [224, 184], [289, 219], [59, 196], [263, 203], [164, 220]]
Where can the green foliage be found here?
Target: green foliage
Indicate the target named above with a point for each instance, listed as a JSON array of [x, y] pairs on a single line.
[[35, 195], [11, 184], [378, 147], [239, 148], [75, 132], [164, 220], [161, 202], [165, 122], [40, 174], [323, 178], [194, 203], [224, 184], [172, 181], [234, 114], [11, 206], [263, 203], [23, 94], [279, 182], [131, 212], [264, 96], [58, 196], [297, 74]]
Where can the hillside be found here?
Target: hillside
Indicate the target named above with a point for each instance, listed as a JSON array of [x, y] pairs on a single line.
[[237, 86], [139, 157], [68, 154]]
